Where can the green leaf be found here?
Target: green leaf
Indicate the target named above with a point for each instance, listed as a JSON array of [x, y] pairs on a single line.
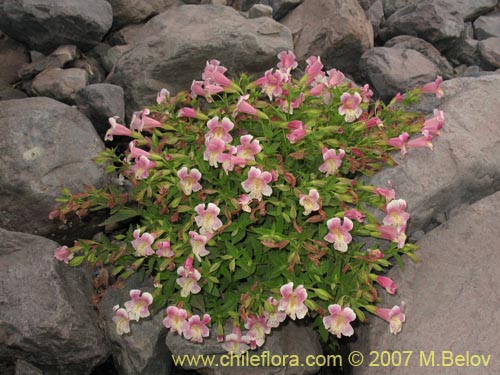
[[76, 261], [124, 213]]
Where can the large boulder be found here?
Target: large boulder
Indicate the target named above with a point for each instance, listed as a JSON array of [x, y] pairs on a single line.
[[143, 350], [489, 49], [60, 84], [451, 301], [126, 12], [43, 25], [464, 165], [336, 30], [487, 26], [12, 55], [46, 145], [46, 315], [177, 43], [414, 20], [393, 70]]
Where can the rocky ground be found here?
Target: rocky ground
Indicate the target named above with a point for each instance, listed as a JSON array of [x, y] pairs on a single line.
[[65, 67]]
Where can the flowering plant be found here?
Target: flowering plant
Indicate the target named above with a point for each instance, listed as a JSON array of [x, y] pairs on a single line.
[[245, 203]]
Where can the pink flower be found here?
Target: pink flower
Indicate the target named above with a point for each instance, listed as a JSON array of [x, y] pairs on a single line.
[[140, 121], [244, 107], [198, 243], [399, 142], [142, 244], [434, 88], [197, 89], [116, 129], [244, 200], [257, 184], [317, 89], [332, 161], [189, 278], [424, 141], [257, 330], [63, 254], [292, 301], [287, 62], [275, 317], [434, 124], [393, 234], [207, 219], [196, 329], [142, 167], [211, 89], [248, 148], [137, 307], [366, 93], [135, 152], [215, 147], [288, 107], [297, 131], [235, 342], [219, 130], [309, 201], [175, 319], [387, 283], [350, 106], [338, 233], [338, 323], [162, 96], [189, 182], [335, 77], [272, 83], [314, 69], [374, 121], [396, 214], [388, 194], [214, 74], [230, 159], [374, 254], [164, 249], [393, 316], [121, 319], [187, 112], [354, 214], [398, 98]]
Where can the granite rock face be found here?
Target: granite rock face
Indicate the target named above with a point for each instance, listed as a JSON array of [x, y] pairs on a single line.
[[46, 145], [46, 317], [177, 43], [451, 301], [126, 12], [44, 25], [60, 84], [338, 31], [12, 55]]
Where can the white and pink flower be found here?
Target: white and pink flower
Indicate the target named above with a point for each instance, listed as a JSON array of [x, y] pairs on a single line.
[[138, 306], [230, 159], [244, 107], [257, 184], [142, 243], [236, 343], [314, 69], [354, 214], [292, 301], [196, 329], [176, 319], [399, 142], [309, 201], [244, 201], [332, 161], [116, 129], [248, 148], [189, 278], [189, 182], [387, 283], [338, 323], [393, 234], [434, 124], [350, 106], [187, 112], [122, 320], [394, 317], [219, 130], [162, 96], [287, 63], [396, 214], [272, 83], [141, 121], [142, 167], [338, 233], [198, 242], [335, 77], [296, 131], [214, 148], [164, 249], [257, 330], [207, 219], [275, 317], [434, 87], [63, 254]]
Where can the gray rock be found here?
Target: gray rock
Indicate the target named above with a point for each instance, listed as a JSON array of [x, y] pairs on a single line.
[[92, 66], [143, 350], [426, 49], [100, 102], [375, 14], [393, 70], [130, 34], [12, 55], [243, 5], [487, 26], [46, 145], [26, 368], [46, 317], [476, 71], [414, 20], [282, 7], [57, 59], [7, 92], [126, 12], [490, 51], [291, 338], [464, 49], [43, 25], [338, 31], [176, 45], [60, 84], [391, 6], [465, 163], [260, 10], [467, 9], [451, 303]]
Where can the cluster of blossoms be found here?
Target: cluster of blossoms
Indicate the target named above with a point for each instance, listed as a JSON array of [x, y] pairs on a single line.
[[270, 234]]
